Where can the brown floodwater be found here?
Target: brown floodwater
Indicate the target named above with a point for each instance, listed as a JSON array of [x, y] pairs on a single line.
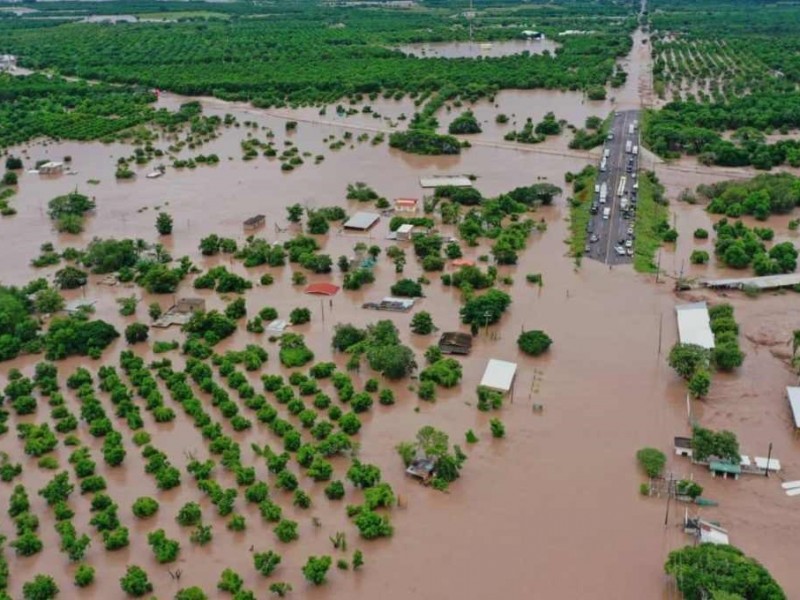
[[477, 49], [551, 511]]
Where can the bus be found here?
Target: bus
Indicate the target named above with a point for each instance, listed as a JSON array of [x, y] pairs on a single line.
[[621, 187]]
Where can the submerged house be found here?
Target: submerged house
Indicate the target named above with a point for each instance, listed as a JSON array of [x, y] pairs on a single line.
[[455, 342]]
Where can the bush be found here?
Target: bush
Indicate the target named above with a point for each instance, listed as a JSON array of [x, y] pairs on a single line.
[[699, 257], [230, 581], [652, 461], [191, 593], [43, 587], [266, 562], [136, 332], [135, 582], [534, 342], [497, 428], [371, 525], [422, 323], [334, 490], [286, 531], [189, 514], [299, 316], [316, 569], [84, 576], [145, 507], [701, 234]]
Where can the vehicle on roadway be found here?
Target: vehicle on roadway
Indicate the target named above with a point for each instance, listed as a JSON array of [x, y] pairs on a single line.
[[629, 243], [628, 146], [595, 238], [606, 213], [619, 250]]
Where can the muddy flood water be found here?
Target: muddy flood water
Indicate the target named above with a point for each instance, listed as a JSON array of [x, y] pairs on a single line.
[[551, 511]]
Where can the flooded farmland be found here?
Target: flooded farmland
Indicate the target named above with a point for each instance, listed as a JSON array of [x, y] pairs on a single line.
[[477, 49], [554, 509]]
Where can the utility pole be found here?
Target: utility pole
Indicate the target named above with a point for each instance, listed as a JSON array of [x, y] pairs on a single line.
[[486, 316], [769, 456], [669, 497]]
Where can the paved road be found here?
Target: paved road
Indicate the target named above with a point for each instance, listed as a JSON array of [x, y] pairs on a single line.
[[615, 212]]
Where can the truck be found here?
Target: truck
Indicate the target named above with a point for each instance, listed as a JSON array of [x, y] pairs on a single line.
[[606, 213], [631, 128], [635, 150], [606, 152], [596, 188], [603, 166], [624, 204], [628, 146], [623, 181], [603, 193]]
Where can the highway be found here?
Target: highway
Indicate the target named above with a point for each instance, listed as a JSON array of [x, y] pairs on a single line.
[[610, 231]]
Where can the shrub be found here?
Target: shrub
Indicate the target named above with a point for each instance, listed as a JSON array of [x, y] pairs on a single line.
[[700, 233], [84, 576], [237, 523], [371, 525], [266, 562], [534, 342], [165, 549], [189, 514], [652, 461], [43, 587], [191, 593], [422, 323], [145, 507], [230, 581], [699, 257], [286, 531], [497, 427], [135, 582], [316, 569], [334, 490], [299, 316]]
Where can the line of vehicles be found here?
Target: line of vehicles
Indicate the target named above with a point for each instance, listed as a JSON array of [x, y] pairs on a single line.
[[625, 191]]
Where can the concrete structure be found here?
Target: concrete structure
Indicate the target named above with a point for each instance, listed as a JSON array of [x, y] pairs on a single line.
[[694, 325], [7, 62], [362, 221], [793, 395], [712, 534], [724, 469], [254, 222], [180, 313], [404, 232], [455, 342], [767, 282], [277, 326], [190, 305], [51, 168], [392, 304], [683, 446], [406, 205], [499, 375], [435, 181]]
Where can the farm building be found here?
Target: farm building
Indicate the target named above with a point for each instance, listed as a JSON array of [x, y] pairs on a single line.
[[793, 395], [455, 342], [362, 221], [255, 222], [683, 446], [694, 325], [766, 282], [435, 181], [322, 289], [406, 205], [51, 168], [392, 304], [499, 375], [404, 232]]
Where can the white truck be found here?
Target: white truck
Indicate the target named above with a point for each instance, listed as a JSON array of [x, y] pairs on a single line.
[[606, 213], [628, 146], [635, 150], [631, 128], [603, 193], [624, 203]]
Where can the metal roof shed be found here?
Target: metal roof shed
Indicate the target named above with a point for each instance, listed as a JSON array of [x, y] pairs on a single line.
[[362, 221], [694, 325], [499, 375], [443, 180], [793, 394]]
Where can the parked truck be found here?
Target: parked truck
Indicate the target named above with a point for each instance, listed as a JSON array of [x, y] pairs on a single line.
[[603, 192], [628, 146], [635, 150], [607, 213]]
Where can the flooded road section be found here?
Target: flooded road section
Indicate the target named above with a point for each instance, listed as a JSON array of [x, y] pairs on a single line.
[[552, 511]]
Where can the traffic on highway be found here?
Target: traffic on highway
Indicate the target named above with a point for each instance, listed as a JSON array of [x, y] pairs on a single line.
[[610, 232]]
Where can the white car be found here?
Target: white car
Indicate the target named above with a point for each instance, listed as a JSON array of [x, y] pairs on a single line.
[[630, 230], [619, 250], [629, 243]]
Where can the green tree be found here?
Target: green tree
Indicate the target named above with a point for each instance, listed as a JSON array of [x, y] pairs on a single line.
[[294, 213], [534, 342], [316, 569], [48, 301], [43, 587], [135, 582], [686, 359], [136, 332], [266, 562], [422, 323], [720, 571], [652, 461], [164, 223], [700, 383]]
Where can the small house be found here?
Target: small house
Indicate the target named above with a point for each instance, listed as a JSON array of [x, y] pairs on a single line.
[[190, 305], [404, 232], [793, 395], [499, 375], [391, 304], [322, 289], [724, 469], [362, 221], [408, 205], [683, 446], [51, 168], [463, 262], [455, 342], [421, 468], [254, 222]]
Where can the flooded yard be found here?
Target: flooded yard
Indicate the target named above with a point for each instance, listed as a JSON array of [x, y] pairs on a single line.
[[553, 510]]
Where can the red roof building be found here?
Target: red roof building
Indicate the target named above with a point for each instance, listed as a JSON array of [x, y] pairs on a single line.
[[323, 289]]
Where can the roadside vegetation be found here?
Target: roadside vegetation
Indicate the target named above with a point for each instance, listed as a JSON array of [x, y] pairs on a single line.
[[651, 225]]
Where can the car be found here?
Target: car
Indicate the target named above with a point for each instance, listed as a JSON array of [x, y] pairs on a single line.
[[611, 135], [621, 241], [589, 227], [630, 230], [594, 238], [587, 249], [629, 243], [629, 252], [619, 250], [594, 208]]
